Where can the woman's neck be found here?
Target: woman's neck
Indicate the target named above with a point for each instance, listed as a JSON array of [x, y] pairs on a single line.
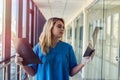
[[54, 42]]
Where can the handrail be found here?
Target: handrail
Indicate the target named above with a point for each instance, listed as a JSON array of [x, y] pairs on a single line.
[[7, 59], [6, 64], [10, 62], [14, 75]]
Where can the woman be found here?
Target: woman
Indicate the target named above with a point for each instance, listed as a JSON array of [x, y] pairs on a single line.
[[58, 59]]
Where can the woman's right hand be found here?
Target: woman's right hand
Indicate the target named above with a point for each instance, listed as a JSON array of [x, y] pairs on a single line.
[[18, 60]]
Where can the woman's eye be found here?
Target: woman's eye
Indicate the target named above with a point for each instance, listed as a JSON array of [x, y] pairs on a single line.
[[60, 26]]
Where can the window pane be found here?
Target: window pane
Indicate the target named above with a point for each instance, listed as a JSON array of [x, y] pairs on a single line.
[[1, 26], [24, 18], [1, 19], [14, 26], [111, 44]]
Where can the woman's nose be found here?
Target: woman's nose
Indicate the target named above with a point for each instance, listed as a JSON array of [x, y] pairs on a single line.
[[62, 29]]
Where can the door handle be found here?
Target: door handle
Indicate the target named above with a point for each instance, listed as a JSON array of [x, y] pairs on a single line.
[[117, 58]]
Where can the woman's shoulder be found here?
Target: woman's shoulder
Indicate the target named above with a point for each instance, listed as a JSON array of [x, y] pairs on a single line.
[[37, 46]]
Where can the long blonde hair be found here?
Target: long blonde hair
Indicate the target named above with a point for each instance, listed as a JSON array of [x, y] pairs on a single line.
[[46, 35]]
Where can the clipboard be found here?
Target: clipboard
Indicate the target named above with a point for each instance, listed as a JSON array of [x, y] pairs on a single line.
[[94, 35], [23, 47], [90, 48]]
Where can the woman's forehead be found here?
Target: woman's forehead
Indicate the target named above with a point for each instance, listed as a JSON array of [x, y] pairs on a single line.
[[59, 22]]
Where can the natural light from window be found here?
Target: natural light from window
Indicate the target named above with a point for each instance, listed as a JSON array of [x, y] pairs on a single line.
[[1, 11], [1, 18]]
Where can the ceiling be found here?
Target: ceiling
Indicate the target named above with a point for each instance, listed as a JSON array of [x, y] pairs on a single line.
[[107, 4], [65, 9]]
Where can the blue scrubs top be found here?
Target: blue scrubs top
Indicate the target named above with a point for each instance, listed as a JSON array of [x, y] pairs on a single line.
[[57, 64]]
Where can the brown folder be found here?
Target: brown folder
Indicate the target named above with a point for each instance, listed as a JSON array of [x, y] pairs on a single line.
[[23, 47]]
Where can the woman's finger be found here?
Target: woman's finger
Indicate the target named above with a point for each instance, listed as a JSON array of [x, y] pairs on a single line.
[[17, 54], [20, 59], [92, 55]]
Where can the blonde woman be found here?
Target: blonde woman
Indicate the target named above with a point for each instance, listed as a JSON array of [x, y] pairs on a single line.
[[58, 59]]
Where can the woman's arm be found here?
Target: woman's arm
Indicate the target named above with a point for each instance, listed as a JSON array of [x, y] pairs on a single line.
[[76, 69], [29, 70]]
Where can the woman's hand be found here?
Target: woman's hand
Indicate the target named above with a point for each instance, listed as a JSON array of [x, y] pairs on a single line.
[[84, 61], [87, 59], [18, 59], [28, 69]]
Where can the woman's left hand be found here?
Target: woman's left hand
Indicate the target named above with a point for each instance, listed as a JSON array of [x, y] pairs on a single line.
[[87, 59]]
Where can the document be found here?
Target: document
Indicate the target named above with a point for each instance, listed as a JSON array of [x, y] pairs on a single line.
[[94, 35], [23, 47], [90, 48]]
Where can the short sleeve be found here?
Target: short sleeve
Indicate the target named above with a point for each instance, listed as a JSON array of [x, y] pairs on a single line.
[[72, 59]]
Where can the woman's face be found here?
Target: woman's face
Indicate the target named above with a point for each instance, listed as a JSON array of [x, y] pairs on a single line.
[[58, 29]]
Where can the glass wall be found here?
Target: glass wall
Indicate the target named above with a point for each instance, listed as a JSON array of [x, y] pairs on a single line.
[[95, 19], [111, 44], [105, 14]]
